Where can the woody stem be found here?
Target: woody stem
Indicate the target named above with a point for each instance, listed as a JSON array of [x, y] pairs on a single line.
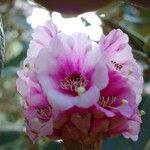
[[87, 143]]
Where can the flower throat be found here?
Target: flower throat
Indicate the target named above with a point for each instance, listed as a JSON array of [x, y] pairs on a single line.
[[74, 83]]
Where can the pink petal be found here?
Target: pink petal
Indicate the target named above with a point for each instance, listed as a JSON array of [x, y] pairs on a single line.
[[59, 100], [88, 98], [133, 129]]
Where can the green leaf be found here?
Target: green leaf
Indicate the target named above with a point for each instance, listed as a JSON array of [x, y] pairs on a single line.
[[8, 137], [15, 61], [141, 56], [53, 145], [2, 45], [147, 46]]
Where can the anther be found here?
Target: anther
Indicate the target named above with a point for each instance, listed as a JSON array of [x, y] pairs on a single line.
[[74, 83], [142, 112], [80, 90], [116, 65], [124, 102]]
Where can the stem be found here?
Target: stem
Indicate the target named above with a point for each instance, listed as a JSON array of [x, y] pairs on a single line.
[[87, 143]]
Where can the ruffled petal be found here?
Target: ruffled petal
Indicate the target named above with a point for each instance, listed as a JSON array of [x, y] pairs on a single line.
[[59, 100], [120, 58], [88, 98]]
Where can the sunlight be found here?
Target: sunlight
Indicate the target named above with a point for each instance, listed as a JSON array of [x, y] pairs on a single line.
[[69, 25], [39, 17]]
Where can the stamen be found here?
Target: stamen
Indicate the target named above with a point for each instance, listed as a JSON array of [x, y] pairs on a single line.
[[74, 83], [44, 112], [116, 65], [107, 100]]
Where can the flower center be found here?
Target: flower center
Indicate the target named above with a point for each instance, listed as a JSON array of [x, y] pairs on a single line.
[[44, 113], [74, 83], [107, 100], [116, 65]]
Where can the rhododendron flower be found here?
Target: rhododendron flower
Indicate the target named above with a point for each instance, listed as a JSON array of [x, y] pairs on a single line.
[[118, 97], [38, 112], [120, 58], [72, 90], [71, 73]]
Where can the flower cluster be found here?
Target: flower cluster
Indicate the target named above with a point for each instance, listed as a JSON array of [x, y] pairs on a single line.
[[72, 88]]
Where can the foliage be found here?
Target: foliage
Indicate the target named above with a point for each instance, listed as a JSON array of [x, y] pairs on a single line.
[[1, 45]]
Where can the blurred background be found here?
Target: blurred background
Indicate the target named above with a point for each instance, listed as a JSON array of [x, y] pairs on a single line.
[[20, 17]]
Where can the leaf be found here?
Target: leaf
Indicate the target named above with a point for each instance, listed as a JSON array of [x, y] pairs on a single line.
[[53, 145], [112, 9], [147, 46], [9, 71], [16, 61], [2, 45], [141, 56], [139, 3], [8, 137]]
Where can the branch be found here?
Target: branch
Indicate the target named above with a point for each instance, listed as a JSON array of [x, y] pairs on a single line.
[[139, 3]]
